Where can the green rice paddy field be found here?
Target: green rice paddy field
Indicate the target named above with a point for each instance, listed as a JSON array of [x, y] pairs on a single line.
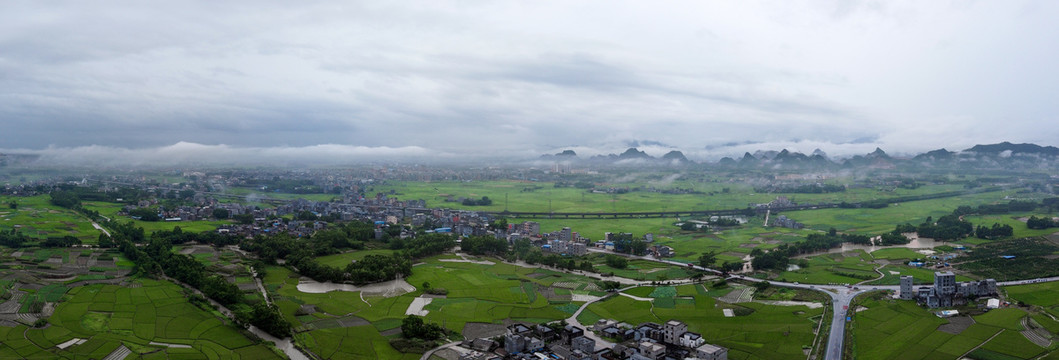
[[543, 197], [1013, 220], [109, 316], [1042, 294], [758, 331], [347, 325], [877, 221], [110, 210], [735, 243], [893, 329], [343, 259], [38, 218]]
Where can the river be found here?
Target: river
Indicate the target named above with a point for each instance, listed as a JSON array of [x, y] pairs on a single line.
[[284, 344]]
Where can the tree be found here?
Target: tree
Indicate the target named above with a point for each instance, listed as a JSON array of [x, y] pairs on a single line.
[[1040, 223], [145, 214], [617, 262], [481, 245], [269, 319], [637, 247], [220, 213], [522, 248], [413, 327], [105, 241], [730, 266], [305, 215], [498, 224], [245, 219], [688, 226], [707, 259], [13, 205]]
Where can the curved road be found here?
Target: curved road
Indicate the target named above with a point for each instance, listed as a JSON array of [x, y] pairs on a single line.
[[572, 320], [841, 296]]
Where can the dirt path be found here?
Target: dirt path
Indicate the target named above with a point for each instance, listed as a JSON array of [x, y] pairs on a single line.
[[983, 343], [881, 275], [100, 228], [634, 297]]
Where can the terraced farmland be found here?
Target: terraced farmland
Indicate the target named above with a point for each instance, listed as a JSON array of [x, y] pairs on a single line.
[[151, 318]]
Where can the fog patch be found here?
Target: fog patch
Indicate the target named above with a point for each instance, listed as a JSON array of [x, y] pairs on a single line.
[[666, 181], [187, 153]]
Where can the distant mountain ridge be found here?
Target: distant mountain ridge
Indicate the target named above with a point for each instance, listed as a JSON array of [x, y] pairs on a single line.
[[996, 149], [982, 155]]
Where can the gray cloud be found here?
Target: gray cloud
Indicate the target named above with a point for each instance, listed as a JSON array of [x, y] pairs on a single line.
[[184, 153], [511, 79]]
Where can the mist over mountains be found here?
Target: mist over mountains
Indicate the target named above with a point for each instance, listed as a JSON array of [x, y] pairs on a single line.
[[1002, 154], [192, 154]]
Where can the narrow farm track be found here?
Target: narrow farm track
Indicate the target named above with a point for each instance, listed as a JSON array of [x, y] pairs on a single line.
[[983, 343], [881, 276], [285, 344], [572, 320]]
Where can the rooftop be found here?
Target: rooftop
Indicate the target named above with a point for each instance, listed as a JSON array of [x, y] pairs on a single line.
[[709, 348]]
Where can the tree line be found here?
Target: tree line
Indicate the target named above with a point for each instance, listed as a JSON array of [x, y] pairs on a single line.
[[157, 258], [1040, 223]]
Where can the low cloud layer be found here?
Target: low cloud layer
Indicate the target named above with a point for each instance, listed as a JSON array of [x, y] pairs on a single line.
[[510, 79], [184, 153]]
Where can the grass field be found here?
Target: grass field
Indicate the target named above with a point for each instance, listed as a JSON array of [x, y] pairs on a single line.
[[902, 254], [1019, 226], [877, 221], [39, 219], [1042, 294], [595, 228], [540, 196], [761, 332], [477, 293], [891, 329], [343, 259], [640, 269], [108, 316], [921, 275], [846, 268], [110, 210]]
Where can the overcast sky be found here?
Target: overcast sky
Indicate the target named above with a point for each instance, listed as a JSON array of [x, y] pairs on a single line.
[[502, 78]]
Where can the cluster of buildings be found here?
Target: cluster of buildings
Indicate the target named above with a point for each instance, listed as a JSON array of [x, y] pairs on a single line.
[[350, 205], [648, 341], [294, 228], [784, 221], [565, 247], [205, 211], [779, 202], [946, 292]]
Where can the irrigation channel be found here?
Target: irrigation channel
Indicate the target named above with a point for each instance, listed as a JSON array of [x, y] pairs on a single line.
[[285, 344]]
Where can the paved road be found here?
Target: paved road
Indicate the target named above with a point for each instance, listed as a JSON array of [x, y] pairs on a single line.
[[572, 320], [427, 354], [841, 296]]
